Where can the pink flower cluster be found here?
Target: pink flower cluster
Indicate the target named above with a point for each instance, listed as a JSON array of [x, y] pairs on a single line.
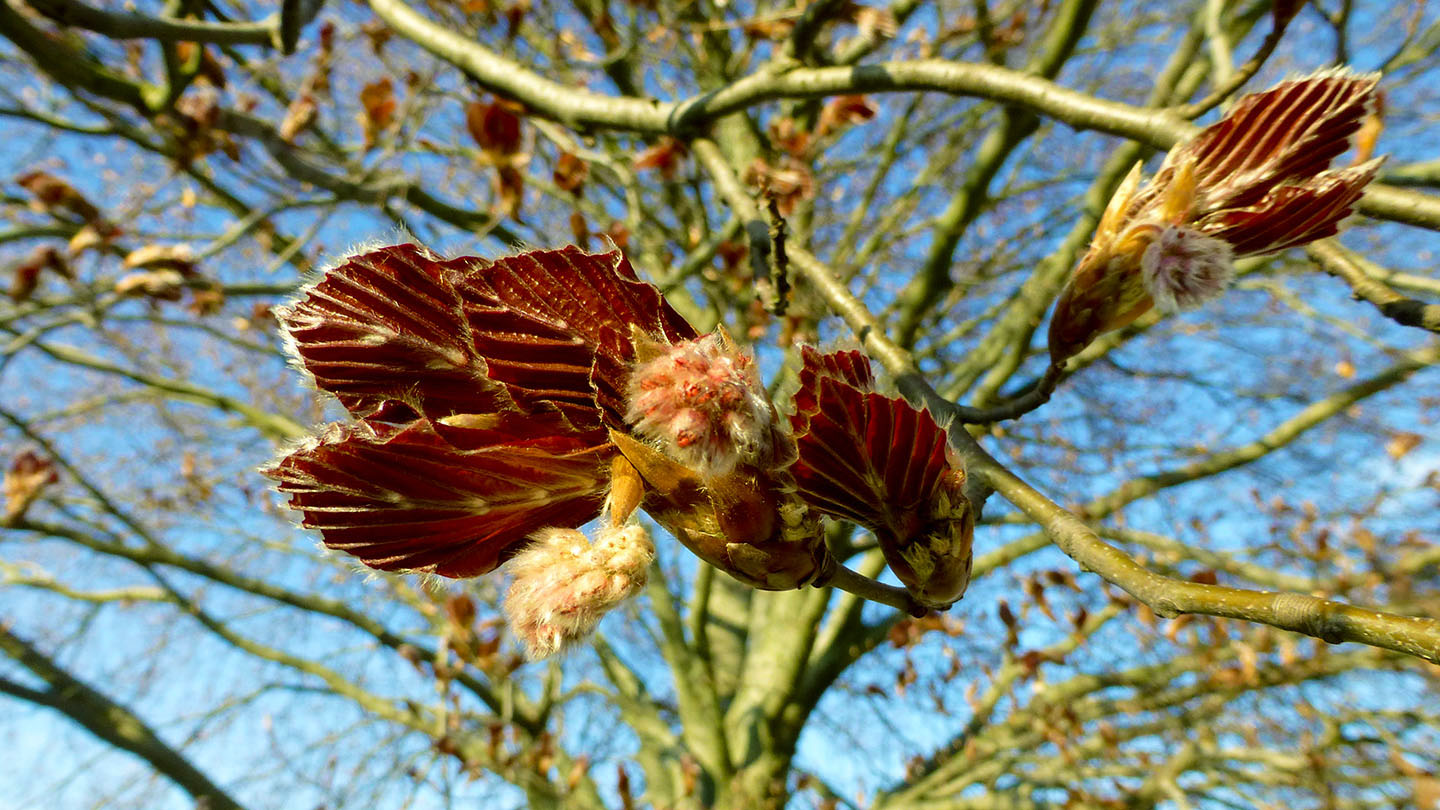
[[702, 401]]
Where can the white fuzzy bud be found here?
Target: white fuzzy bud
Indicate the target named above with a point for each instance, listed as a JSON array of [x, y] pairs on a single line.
[[562, 584], [1183, 268]]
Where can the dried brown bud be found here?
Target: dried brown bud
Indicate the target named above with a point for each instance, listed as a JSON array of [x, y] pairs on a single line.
[[27, 477]]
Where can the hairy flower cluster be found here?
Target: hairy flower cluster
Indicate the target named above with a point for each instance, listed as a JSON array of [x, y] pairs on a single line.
[[1183, 268], [562, 584], [703, 402]]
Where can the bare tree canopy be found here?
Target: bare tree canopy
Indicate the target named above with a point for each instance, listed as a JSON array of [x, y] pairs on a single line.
[[765, 331]]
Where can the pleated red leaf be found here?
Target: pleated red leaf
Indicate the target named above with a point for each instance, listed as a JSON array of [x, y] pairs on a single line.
[[851, 367], [447, 500], [1291, 131], [398, 332], [863, 456], [597, 298], [1294, 214], [1261, 172], [538, 361], [385, 326]]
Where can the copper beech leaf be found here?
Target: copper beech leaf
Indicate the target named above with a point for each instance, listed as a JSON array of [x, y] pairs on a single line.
[[481, 390], [1298, 214], [1262, 168], [402, 332], [446, 499], [595, 298], [1293, 130], [864, 457], [387, 326]]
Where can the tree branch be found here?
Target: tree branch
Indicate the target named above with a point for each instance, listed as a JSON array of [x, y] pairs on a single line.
[[1350, 268], [1331, 621], [126, 25], [583, 109], [108, 720]]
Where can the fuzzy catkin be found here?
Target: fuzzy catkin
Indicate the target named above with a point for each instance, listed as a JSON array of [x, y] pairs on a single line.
[[562, 584]]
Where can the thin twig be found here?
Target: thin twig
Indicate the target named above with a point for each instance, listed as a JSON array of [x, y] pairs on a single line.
[[1028, 400], [777, 285], [1237, 78], [867, 588]]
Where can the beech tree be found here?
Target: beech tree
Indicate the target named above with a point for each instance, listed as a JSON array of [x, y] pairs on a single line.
[[720, 405]]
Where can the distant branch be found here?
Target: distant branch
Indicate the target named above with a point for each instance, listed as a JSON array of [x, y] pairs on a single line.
[[1324, 619], [584, 109], [273, 426], [107, 720], [125, 25], [72, 68]]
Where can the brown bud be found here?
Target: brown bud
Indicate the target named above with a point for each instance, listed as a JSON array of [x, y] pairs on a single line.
[[934, 563], [743, 522], [27, 477]]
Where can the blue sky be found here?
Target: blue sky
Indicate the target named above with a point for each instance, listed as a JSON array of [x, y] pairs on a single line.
[[287, 745]]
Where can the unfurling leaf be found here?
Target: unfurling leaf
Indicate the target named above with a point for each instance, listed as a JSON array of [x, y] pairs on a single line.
[[25, 480], [449, 500], [881, 463], [482, 390], [1255, 182], [299, 116], [378, 104], [402, 331]]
